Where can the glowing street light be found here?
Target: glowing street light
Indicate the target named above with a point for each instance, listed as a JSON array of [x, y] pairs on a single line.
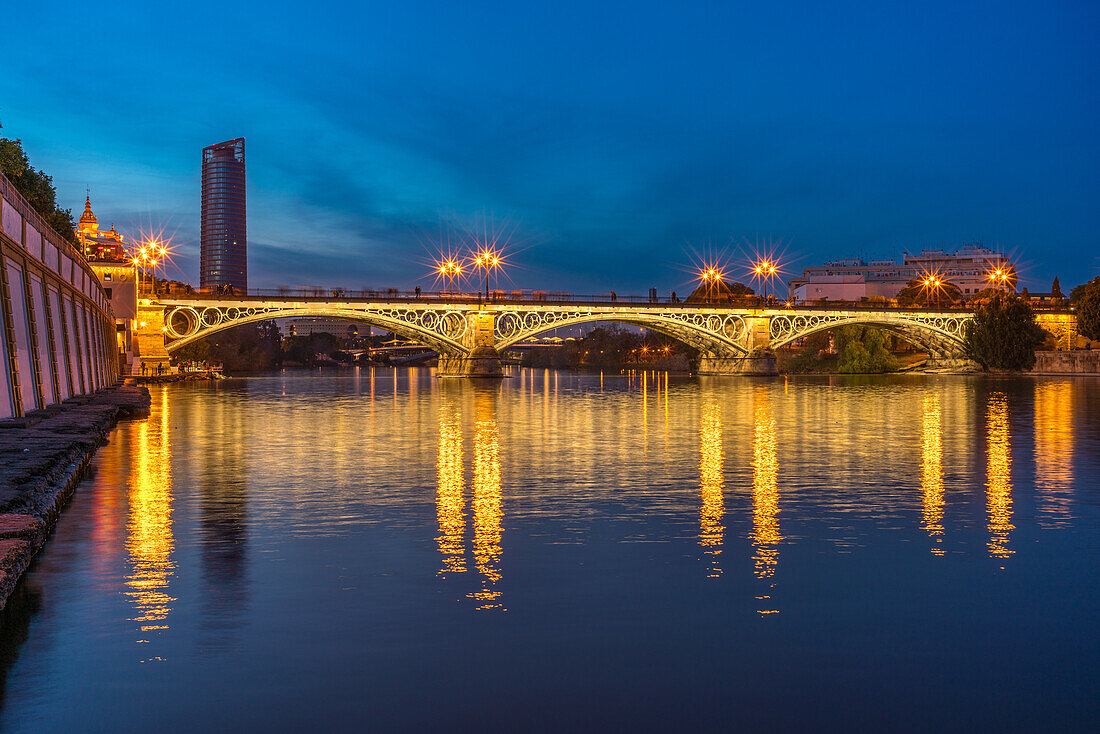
[[712, 277], [765, 270], [933, 284], [1000, 277], [449, 270], [487, 260]]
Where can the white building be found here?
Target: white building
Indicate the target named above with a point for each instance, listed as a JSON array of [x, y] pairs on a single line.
[[969, 268]]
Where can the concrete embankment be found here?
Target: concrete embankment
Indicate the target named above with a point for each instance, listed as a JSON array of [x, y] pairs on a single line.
[[1078, 362], [42, 459]]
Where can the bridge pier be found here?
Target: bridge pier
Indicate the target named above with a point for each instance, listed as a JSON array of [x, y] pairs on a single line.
[[760, 362], [483, 361]]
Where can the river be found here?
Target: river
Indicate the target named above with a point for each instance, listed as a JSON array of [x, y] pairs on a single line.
[[382, 550]]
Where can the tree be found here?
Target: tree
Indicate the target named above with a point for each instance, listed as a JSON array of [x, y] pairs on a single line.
[[719, 291], [1003, 334], [1056, 289], [863, 350], [36, 187], [245, 348], [918, 293], [1086, 301]]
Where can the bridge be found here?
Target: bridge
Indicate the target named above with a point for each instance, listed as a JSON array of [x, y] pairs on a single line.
[[470, 333]]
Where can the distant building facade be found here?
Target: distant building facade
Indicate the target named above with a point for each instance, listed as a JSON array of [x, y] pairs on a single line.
[[224, 234], [854, 279], [336, 327], [110, 258]]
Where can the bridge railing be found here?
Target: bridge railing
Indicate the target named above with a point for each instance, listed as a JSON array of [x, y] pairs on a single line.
[[554, 298]]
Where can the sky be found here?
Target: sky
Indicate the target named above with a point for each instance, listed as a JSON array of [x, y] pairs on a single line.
[[610, 146]]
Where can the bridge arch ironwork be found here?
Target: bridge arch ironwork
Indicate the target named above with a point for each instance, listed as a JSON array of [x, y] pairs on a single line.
[[714, 333], [939, 332], [438, 329]]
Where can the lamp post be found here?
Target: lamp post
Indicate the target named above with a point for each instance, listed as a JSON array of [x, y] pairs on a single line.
[[712, 278], [933, 283], [487, 260], [765, 270], [1000, 277], [450, 270]]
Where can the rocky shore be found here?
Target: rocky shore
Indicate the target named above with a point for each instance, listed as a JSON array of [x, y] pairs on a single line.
[[42, 459]]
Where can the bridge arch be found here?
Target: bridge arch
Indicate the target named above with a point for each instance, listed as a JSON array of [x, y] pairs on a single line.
[[713, 333], [441, 331], [935, 333]]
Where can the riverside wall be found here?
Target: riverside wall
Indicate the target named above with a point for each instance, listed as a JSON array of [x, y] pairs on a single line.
[[42, 459], [57, 332], [1077, 362]]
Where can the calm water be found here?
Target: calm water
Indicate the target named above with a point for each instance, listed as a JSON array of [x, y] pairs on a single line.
[[382, 551]]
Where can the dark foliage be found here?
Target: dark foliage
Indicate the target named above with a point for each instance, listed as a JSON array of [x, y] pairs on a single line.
[[1003, 334], [36, 187], [863, 350], [1086, 301], [613, 348], [720, 292], [246, 348], [916, 293]]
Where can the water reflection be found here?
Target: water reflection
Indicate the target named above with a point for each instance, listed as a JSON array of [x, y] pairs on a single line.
[[488, 526], [449, 495], [932, 471], [1054, 404], [224, 513], [149, 528], [765, 491], [711, 485], [999, 476]]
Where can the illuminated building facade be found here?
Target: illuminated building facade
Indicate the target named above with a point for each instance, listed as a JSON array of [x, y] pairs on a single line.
[[107, 246], [108, 255], [855, 279], [224, 257]]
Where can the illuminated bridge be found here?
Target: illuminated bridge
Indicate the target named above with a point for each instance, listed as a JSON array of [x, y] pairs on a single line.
[[469, 333]]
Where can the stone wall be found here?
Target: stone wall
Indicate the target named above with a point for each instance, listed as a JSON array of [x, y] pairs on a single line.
[[1079, 362]]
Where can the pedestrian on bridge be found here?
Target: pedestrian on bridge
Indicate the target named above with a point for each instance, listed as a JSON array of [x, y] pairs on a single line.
[[417, 291]]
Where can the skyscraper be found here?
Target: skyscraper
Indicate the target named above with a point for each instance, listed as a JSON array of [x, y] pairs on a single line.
[[224, 258]]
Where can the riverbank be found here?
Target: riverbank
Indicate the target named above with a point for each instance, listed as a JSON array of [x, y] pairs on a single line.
[[202, 376], [42, 459], [1078, 362]]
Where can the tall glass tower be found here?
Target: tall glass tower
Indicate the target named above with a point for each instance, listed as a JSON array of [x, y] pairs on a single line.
[[224, 258]]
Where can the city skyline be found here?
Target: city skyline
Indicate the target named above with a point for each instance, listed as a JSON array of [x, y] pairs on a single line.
[[629, 142]]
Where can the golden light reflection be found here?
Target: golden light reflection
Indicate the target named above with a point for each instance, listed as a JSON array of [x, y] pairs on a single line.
[[765, 492], [450, 499], [488, 526], [1054, 405], [931, 471], [999, 477], [711, 486], [149, 527]]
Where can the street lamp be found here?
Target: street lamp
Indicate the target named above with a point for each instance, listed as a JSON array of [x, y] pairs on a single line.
[[487, 260], [765, 270], [1000, 277], [712, 278], [933, 284], [449, 270]]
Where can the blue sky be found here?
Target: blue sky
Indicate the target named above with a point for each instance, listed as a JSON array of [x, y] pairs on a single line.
[[613, 142]]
